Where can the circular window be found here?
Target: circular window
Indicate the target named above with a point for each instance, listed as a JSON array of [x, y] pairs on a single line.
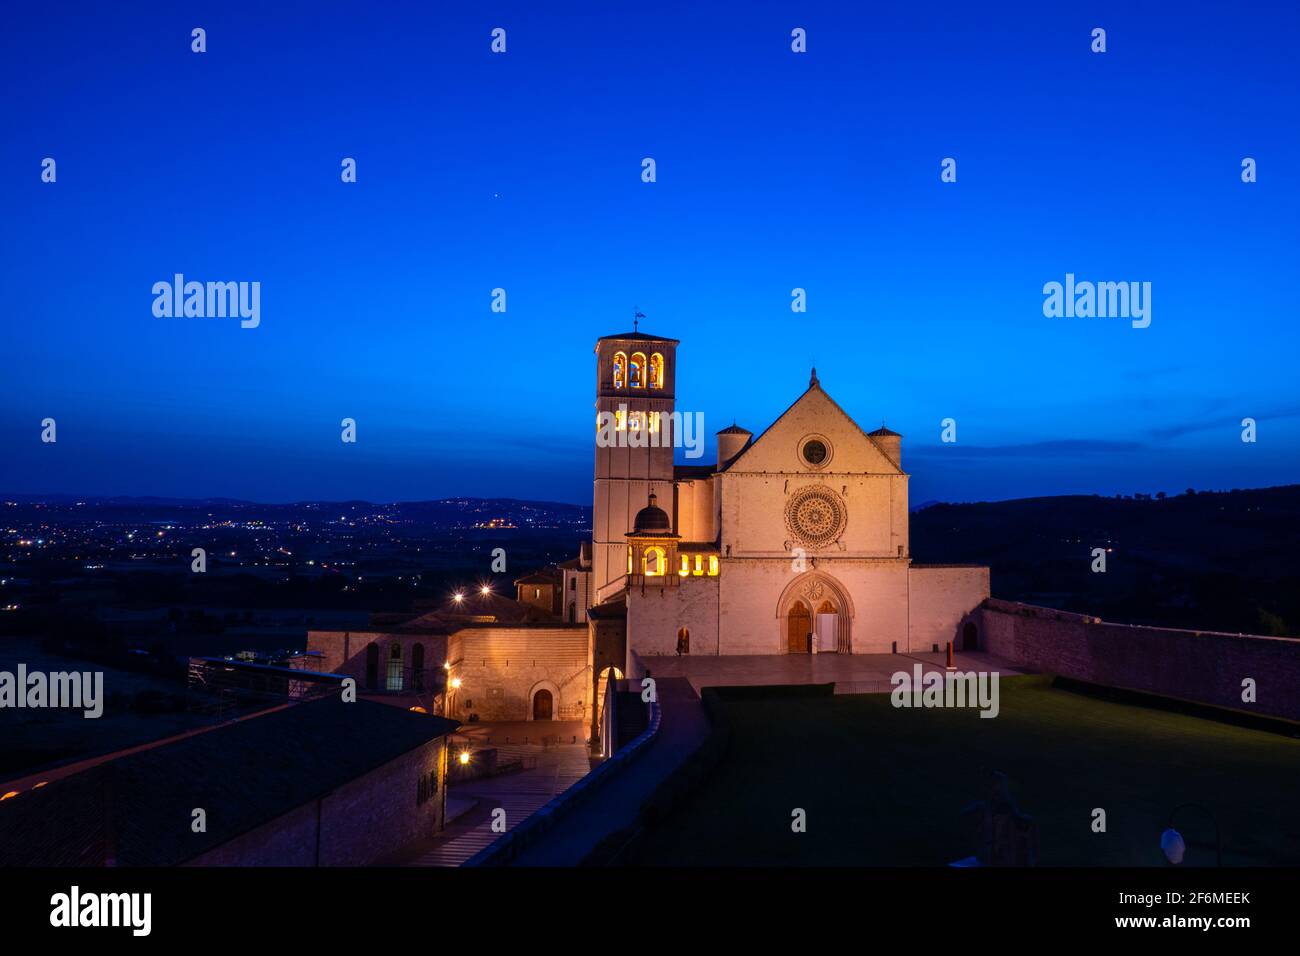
[[814, 452], [815, 516]]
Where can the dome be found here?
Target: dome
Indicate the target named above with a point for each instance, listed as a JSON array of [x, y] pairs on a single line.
[[652, 520]]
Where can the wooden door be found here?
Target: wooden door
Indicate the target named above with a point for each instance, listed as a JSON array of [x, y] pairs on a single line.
[[542, 705], [798, 624]]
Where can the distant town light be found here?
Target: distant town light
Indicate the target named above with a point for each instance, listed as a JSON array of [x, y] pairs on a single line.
[[485, 589], [13, 793], [458, 597], [464, 756]]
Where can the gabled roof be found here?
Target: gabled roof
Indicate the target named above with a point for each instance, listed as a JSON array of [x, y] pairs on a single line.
[[543, 576], [814, 386]]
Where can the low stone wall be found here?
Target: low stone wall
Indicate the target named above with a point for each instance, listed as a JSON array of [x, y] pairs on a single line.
[[1205, 666], [509, 845]]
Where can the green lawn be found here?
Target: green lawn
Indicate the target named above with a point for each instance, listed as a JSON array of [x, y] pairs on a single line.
[[885, 786]]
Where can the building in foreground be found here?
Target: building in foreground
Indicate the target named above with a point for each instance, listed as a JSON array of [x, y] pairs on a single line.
[[321, 783]]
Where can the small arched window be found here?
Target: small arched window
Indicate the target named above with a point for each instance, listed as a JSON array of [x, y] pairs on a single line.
[[683, 640], [656, 371], [636, 371], [652, 562], [395, 667], [620, 369], [372, 666]]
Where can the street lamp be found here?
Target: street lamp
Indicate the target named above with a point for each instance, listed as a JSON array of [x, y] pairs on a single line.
[[1174, 846]]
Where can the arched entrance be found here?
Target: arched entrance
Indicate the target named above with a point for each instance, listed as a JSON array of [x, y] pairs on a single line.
[[543, 705], [970, 638], [815, 603], [683, 641], [798, 625]]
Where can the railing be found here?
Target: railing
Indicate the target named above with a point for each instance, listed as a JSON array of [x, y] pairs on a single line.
[[409, 680]]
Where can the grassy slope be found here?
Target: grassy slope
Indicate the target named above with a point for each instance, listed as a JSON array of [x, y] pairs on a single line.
[[884, 786]]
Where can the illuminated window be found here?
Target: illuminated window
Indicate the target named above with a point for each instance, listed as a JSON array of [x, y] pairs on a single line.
[[699, 564], [686, 566], [634, 420], [620, 370], [652, 562], [620, 420], [395, 667], [713, 565], [629, 559], [636, 371], [654, 422], [656, 371]]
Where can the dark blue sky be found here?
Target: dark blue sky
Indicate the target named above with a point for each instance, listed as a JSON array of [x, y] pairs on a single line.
[[522, 171]]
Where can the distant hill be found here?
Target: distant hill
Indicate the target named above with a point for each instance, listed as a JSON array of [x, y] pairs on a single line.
[[1202, 560]]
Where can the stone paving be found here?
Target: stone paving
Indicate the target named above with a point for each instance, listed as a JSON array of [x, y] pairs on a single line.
[[851, 673]]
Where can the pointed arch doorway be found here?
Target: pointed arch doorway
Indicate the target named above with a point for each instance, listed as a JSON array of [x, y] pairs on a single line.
[[815, 604]]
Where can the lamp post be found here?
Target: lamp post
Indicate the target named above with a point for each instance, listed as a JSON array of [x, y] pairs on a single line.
[[1174, 846]]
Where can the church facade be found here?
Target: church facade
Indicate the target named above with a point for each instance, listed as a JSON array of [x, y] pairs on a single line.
[[794, 541]]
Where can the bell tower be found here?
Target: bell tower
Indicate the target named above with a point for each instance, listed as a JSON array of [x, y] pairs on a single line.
[[636, 376]]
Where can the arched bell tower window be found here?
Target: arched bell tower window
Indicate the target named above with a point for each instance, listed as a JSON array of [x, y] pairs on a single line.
[[620, 369], [652, 562], [636, 371], [656, 371]]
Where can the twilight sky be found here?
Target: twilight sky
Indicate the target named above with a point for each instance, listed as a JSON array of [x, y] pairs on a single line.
[[775, 170]]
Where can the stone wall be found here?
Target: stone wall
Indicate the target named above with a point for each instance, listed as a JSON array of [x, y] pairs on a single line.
[[501, 668], [942, 596], [363, 822], [344, 652], [1203, 666], [656, 611]]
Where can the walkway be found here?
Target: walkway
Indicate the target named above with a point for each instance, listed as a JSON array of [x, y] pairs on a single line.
[[520, 794], [616, 804]]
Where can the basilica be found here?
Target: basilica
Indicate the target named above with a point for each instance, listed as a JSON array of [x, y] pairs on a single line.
[[795, 541]]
